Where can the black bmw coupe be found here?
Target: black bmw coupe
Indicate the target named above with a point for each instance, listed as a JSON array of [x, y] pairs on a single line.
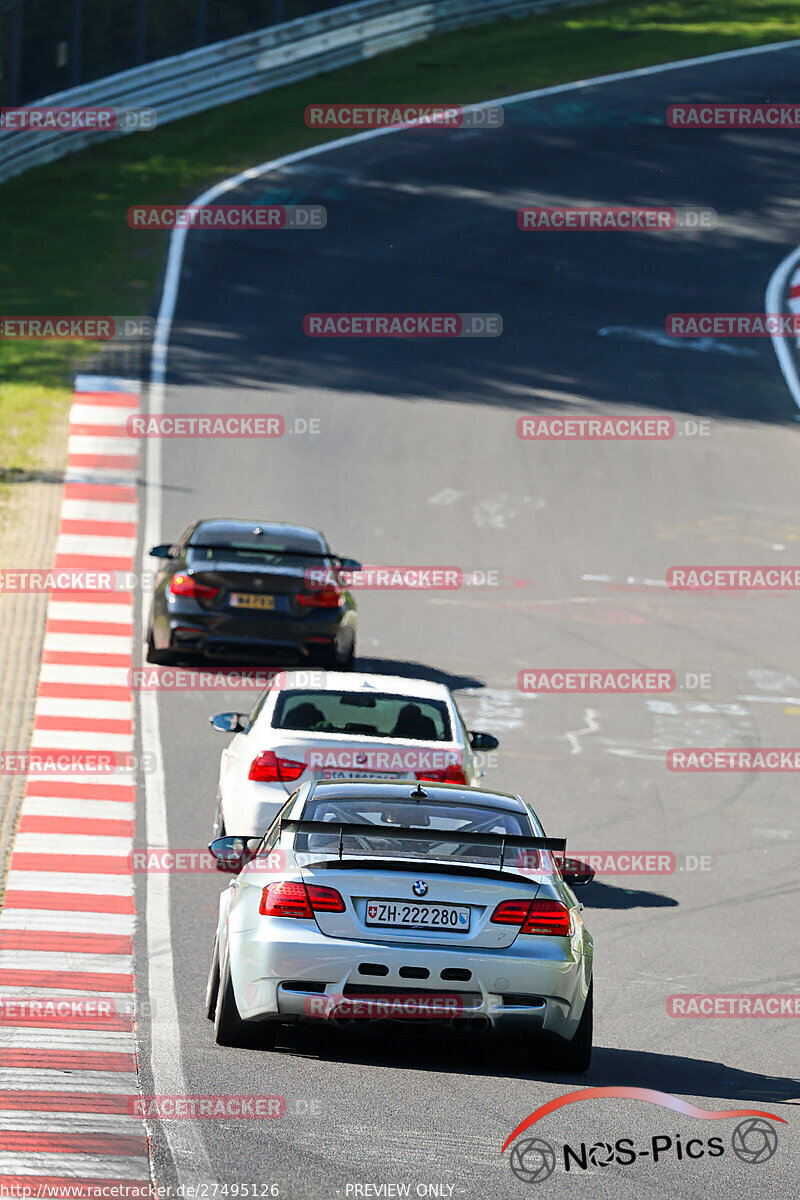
[[242, 591]]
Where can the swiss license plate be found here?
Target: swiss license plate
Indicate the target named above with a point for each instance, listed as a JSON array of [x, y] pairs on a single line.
[[330, 773], [401, 915], [248, 600]]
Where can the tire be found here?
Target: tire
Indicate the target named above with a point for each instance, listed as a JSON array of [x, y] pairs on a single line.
[[218, 832], [162, 658], [219, 823], [332, 660], [576, 1056], [212, 987], [348, 662], [229, 1028]]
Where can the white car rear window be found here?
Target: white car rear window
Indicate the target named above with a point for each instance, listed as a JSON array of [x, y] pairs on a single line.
[[361, 714]]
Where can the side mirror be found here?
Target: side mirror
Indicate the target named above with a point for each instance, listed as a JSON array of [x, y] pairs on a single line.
[[233, 853], [482, 741], [229, 722], [164, 551], [349, 564], [575, 873]]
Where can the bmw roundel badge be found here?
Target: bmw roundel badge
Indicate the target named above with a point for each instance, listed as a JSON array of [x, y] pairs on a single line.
[[420, 888]]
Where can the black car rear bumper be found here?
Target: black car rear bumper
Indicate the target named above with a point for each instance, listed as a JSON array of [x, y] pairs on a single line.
[[313, 643]]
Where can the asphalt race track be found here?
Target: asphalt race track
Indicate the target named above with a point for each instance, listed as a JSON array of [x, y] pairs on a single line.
[[418, 462]]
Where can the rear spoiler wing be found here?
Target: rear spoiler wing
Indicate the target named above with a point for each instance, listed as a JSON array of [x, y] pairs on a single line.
[[411, 833]]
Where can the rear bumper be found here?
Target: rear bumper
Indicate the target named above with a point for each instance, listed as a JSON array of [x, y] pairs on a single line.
[[288, 644], [183, 625], [540, 985]]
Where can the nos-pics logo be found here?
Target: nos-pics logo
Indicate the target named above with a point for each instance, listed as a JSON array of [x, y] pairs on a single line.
[[533, 1159]]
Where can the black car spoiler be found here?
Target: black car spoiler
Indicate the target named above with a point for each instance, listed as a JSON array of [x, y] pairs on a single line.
[[411, 833]]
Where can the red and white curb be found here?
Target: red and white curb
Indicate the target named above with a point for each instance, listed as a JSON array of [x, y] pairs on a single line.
[[66, 927]]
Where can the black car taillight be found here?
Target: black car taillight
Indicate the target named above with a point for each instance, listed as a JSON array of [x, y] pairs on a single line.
[[187, 585], [325, 597]]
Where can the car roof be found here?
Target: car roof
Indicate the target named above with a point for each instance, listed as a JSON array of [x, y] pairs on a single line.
[[435, 793], [221, 530], [354, 681]]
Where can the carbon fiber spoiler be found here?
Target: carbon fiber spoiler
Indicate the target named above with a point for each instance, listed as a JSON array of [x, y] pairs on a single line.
[[411, 833]]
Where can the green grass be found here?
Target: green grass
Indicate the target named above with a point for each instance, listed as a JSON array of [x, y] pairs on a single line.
[[33, 396], [68, 250], [27, 412]]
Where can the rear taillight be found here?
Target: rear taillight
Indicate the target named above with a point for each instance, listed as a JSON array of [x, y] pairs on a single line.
[[451, 774], [298, 900], [324, 899], [268, 768], [511, 912], [324, 597], [285, 900], [187, 585], [542, 916], [547, 916]]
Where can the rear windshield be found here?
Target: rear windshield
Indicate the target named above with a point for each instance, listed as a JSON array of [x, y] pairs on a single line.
[[435, 823], [363, 714], [266, 556]]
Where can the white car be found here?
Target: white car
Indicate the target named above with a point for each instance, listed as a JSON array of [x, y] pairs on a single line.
[[337, 725], [374, 901]]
